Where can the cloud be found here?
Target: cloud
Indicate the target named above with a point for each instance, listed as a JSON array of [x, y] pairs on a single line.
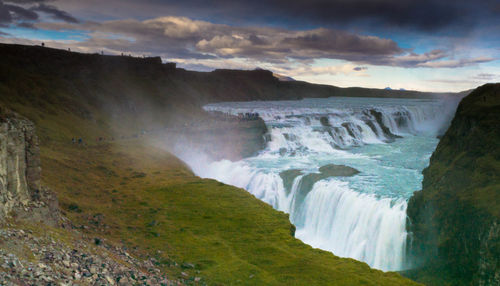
[[55, 13], [451, 81], [473, 80], [359, 68], [415, 60], [340, 42], [15, 14], [456, 63], [345, 69], [282, 69], [181, 37], [27, 1], [486, 76], [212, 64], [24, 13], [427, 16]]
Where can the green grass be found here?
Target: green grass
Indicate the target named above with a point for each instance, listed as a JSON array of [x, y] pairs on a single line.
[[230, 236]]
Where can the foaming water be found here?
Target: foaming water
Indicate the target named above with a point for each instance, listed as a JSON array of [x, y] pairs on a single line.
[[389, 141], [360, 226]]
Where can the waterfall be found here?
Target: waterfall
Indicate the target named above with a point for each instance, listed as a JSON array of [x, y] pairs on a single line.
[[354, 225], [347, 127], [362, 216]]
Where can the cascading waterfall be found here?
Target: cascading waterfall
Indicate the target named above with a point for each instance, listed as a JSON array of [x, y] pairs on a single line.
[[363, 216], [360, 226]]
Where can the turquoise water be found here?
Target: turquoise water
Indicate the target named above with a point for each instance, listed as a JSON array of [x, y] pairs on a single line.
[[363, 217]]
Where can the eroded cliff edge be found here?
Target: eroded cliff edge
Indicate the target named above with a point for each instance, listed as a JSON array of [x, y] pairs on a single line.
[[21, 194], [455, 218]]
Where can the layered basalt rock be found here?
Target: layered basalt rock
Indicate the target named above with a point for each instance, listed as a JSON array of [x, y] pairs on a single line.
[[21, 193]]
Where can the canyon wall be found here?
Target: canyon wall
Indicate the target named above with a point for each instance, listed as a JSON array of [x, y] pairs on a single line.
[[455, 218]]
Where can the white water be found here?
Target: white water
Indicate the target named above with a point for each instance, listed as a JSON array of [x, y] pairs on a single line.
[[363, 216]]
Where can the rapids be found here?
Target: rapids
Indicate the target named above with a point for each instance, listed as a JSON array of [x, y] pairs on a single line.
[[389, 141]]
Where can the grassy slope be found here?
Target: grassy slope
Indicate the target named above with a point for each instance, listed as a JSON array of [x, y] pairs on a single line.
[[148, 200], [127, 191], [461, 192]]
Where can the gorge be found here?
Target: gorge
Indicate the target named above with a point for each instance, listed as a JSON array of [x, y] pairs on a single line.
[[343, 168]]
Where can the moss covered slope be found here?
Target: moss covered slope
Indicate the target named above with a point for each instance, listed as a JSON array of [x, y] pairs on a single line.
[[455, 218]]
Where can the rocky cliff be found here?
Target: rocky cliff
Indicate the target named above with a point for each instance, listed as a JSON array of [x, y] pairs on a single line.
[[21, 195], [455, 218]]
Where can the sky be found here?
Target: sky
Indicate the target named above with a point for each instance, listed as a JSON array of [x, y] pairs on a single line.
[[427, 45]]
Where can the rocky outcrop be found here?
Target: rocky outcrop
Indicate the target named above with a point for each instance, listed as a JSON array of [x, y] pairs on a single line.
[[454, 220], [306, 183], [21, 194], [31, 258]]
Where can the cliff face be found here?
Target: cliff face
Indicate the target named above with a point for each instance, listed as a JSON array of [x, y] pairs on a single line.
[[21, 194], [455, 218]]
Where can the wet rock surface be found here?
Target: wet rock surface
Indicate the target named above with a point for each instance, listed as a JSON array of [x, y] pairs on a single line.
[[288, 176], [308, 180], [326, 171]]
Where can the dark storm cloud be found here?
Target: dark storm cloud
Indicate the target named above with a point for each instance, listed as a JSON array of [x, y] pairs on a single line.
[[27, 25], [10, 14], [347, 43], [457, 16], [423, 14], [55, 13], [23, 13], [27, 1]]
